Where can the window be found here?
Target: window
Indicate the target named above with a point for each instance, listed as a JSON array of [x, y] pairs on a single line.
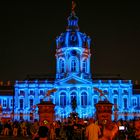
[[11, 103], [41, 92], [21, 116], [21, 103], [125, 102], [31, 92], [134, 102], [95, 100], [73, 101], [22, 92], [105, 91], [96, 92], [84, 99], [115, 101], [4, 103], [84, 66], [115, 91], [73, 66], [31, 117], [63, 99], [41, 100], [125, 91], [31, 103], [62, 66], [72, 96]]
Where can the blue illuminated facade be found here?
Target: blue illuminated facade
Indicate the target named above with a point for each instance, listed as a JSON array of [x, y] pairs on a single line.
[[73, 80]]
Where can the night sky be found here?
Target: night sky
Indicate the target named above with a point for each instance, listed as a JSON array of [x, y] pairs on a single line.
[[28, 31]]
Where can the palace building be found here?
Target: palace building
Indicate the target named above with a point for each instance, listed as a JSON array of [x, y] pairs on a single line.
[[73, 80]]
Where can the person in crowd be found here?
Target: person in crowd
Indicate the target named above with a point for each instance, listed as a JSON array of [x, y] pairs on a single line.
[[137, 128], [57, 129], [62, 132], [7, 127], [92, 131], [110, 131], [1, 127], [15, 128], [34, 130], [52, 131], [23, 128], [28, 126], [43, 131], [69, 130]]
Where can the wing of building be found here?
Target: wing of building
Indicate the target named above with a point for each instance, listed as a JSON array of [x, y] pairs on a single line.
[[73, 80]]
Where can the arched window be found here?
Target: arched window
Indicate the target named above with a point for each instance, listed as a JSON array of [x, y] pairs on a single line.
[[134, 101], [22, 92], [96, 92], [12, 102], [4, 102], [31, 103], [125, 91], [62, 66], [73, 65], [73, 100], [115, 101], [21, 116], [41, 100], [63, 99], [125, 102], [84, 99], [31, 117], [95, 101], [31, 92], [84, 66], [105, 91], [21, 103], [41, 92], [115, 91], [72, 96]]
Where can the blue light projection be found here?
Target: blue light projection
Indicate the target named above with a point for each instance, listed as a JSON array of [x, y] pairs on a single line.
[[73, 80]]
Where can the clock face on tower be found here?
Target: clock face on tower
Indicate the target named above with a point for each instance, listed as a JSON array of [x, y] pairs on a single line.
[[73, 52]]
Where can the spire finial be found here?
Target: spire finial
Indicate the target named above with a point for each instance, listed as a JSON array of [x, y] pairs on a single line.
[[73, 7]]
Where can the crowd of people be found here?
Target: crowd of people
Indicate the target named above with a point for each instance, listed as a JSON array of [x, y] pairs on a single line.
[[70, 129]]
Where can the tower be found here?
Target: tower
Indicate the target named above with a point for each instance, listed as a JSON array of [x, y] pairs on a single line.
[[73, 51]]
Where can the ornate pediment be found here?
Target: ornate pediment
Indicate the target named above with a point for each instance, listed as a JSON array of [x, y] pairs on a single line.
[[73, 80]]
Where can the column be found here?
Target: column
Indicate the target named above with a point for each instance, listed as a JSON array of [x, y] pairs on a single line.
[[78, 97]]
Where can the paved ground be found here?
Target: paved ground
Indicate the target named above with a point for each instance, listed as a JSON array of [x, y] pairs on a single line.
[[14, 138], [29, 138], [17, 138]]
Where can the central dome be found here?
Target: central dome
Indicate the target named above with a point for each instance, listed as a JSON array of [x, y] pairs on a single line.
[[73, 37]]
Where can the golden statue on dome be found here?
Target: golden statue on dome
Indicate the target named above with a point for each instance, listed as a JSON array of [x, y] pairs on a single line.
[[73, 7]]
